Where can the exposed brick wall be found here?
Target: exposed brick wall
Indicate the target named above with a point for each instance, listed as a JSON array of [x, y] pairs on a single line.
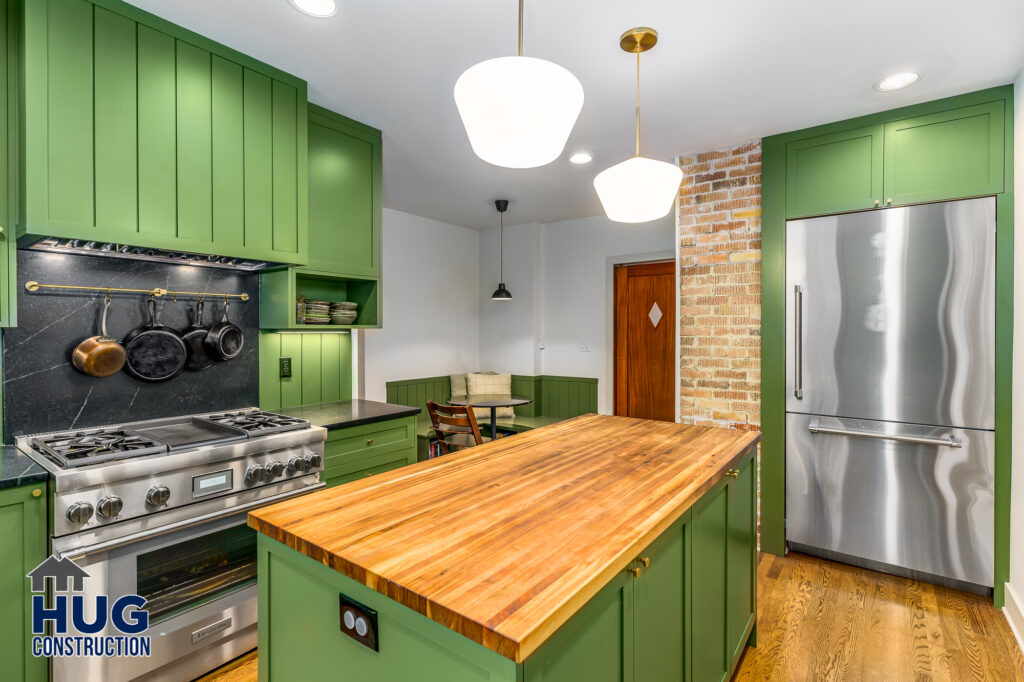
[[720, 287]]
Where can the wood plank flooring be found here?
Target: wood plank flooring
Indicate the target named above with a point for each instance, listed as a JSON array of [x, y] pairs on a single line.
[[819, 620]]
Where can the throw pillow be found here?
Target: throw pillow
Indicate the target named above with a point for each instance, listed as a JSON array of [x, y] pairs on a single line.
[[480, 383]]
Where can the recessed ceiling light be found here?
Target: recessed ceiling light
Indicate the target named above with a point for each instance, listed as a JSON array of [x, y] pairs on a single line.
[[581, 157], [315, 8], [897, 81]]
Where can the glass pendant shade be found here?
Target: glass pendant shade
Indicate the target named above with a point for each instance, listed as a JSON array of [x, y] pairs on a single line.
[[518, 111], [638, 189]]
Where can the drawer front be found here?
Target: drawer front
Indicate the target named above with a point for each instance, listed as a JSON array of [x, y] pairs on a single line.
[[359, 442], [348, 471]]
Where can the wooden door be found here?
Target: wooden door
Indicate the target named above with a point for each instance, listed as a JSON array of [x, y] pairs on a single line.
[[832, 173], [645, 324]]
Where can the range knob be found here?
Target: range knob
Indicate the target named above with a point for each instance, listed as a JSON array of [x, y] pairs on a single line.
[[314, 460], [79, 512], [255, 474], [298, 465], [158, 495], [109, 507], [274, 468]]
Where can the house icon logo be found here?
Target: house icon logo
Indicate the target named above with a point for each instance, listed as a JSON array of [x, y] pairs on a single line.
[[61, 572]]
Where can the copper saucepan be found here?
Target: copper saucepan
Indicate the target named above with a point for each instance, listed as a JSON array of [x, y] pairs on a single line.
[[99, 356]]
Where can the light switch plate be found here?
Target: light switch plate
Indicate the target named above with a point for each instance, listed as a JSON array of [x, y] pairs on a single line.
[[286, 367]]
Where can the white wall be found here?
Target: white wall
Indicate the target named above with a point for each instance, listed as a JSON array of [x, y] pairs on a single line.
[[1015, 587], [560, 278], [427, 332]]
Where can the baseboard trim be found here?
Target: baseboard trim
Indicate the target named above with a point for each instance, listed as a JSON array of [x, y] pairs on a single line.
[[1013, 609]]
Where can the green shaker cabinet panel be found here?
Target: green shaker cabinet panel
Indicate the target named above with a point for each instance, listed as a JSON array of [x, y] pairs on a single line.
[[832, 173], [660, 607], [344, 195], [711, 651], [23, 528], [139, 132], [8, 173], [945, 155], [741, 552]]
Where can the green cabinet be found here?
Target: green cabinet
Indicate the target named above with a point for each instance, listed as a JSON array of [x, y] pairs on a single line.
[[139, 132], [23, 529], [360, 451], [344, 195], [661, 648], [8, 167], [949, 154], [835, 172]]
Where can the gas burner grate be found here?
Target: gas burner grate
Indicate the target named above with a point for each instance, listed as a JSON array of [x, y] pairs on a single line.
[[258, 423], [82, 448]]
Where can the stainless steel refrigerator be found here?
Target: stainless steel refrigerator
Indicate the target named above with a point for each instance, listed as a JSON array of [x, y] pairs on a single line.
[[890, 383]]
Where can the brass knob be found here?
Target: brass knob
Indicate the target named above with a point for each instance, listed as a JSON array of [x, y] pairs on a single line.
[[634, 571], [889, 200], [645, 560], [733, 473], [369, 441], [878, 202], [37, 492]]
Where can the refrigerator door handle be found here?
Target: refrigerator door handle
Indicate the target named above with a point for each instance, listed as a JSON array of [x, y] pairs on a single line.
[[798, 341], [949, 442]]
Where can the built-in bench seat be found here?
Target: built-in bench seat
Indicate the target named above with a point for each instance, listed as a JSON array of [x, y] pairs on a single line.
[[554, 398]]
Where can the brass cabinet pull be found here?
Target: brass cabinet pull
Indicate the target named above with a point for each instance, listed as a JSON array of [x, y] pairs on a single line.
[[733, 473], [645, 560], [878, 202], [37, 492], [889, 201], [369, 441], [634, 571]]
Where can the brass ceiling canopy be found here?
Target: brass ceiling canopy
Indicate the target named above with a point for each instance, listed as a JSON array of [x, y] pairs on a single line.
[[639, 39]]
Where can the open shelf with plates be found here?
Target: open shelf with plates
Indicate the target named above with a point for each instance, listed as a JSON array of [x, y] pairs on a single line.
[[280, 291]]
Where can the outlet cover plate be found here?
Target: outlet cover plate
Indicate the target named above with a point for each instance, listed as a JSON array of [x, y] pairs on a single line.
[[359, 622], [286, 367]]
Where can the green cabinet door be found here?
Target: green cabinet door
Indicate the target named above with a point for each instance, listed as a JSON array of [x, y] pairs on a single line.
[[945, 155], [709, 586], [596, 644], [23, 529], [139, 132], [344, 195], [836, 172], [8, 186], [660, 608], [741, 554]]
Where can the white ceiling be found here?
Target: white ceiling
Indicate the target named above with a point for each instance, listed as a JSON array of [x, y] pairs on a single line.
[[724, 71]]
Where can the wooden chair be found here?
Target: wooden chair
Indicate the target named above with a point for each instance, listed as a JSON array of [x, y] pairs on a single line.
[[455, 427]]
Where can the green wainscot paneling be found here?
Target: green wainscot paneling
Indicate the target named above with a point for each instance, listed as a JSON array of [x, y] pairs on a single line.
[[368, 449], [23, 529], [947, 149], [8, 163], [137, 131], [682, 611], [321, 369]]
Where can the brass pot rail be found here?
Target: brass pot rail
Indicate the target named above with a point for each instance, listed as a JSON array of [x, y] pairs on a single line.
[[36, 286]]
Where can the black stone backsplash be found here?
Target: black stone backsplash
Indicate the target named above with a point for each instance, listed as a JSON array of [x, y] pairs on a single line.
[[44, 392]]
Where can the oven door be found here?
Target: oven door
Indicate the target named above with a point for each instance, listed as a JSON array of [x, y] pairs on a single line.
[[200, 586]]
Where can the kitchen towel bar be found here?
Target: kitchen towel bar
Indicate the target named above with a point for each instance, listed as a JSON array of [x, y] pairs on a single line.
[[36, 286]]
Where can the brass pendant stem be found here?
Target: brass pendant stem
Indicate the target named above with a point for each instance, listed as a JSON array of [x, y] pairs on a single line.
[[638, 40], [638, 101], [519, 49]]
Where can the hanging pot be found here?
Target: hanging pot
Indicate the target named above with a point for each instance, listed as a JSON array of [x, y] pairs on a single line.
[[154, 352], [195, 340], [225, 339], [99, 356]]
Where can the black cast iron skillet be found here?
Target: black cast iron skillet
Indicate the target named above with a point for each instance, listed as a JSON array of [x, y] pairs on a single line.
[[154, 352], [225, 339], [195, 340]]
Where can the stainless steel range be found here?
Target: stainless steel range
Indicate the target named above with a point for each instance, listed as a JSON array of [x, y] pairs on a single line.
[[158, 508]]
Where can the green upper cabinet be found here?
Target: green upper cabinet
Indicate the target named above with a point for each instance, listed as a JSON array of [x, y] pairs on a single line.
[[836, 172], [950, 154], [139, 132], [344, 195]]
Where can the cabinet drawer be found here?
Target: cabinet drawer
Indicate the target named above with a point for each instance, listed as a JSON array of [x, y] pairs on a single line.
[[352, 470], [359, 442]]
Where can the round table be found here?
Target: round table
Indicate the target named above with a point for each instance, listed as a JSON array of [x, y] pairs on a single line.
[[493, 402]]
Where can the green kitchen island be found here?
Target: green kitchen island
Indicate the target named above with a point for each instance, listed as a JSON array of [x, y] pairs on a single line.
[[598, 548]]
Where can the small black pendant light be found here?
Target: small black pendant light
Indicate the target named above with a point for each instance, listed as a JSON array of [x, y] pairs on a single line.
[[501, 293]]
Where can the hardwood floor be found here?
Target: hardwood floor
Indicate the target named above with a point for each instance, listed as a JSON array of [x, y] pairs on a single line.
[[819, 620]]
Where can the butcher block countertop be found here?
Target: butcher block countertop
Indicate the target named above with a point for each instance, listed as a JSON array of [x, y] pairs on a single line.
[[504, 542]]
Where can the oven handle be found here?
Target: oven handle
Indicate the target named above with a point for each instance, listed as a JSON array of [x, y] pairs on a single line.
[[80, 552]]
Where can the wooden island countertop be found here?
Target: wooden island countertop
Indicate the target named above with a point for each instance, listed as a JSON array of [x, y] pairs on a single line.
[[504, 542]]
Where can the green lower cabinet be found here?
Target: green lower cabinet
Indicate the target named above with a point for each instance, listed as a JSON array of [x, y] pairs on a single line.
[[682, 610], [361, 451], [23, 529], [949, 154]]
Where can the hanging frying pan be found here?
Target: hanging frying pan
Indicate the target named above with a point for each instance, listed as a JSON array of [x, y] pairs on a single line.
[[195, 340], [154, 352], [99, 356], [225, 339]]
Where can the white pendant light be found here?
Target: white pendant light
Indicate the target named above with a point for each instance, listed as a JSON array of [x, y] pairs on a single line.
[[639, 189], [518, 111]]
